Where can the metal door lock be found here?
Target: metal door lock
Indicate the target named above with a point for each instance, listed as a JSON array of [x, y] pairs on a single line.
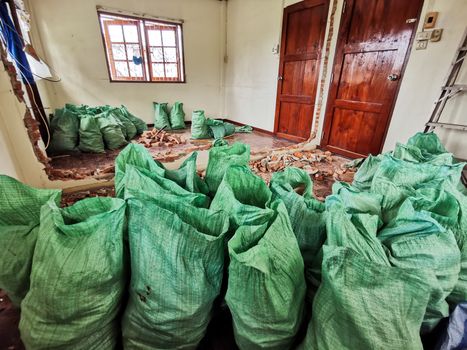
[[393, 77]]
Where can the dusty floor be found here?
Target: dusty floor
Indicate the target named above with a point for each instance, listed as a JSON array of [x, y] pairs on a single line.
[[101, 166]]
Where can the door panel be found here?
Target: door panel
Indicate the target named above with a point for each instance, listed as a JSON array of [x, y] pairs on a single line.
[[374, 38], [302, 40]]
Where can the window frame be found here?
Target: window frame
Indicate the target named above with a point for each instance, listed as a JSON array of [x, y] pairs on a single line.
[[145, 48]]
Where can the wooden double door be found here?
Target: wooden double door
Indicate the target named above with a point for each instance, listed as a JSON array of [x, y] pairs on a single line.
[[373, 43]]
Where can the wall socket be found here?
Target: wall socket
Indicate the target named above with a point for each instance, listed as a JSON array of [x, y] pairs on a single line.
[[421, 44], [436, 35]]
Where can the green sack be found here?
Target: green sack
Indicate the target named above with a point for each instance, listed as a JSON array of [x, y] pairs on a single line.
[[78, 277], [365, 305], [143, 184], [139, 124], [20, 207], [129, 128], [199, 126], [137, 155], [177, 258], [364, 176], [64, 127], [221, 158], [244, 196], [307, 215], [230, 129], [90, 136], [186, 176], [161, 116], [177, 116], [266, 285], [111, 130], [416, 240]]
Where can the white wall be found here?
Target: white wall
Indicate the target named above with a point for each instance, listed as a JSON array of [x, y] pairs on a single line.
[[425, 72], [70, 33]]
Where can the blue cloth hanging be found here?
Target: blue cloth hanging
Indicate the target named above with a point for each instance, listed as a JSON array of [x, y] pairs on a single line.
[[137, 60], [455, 337], [14, 43]]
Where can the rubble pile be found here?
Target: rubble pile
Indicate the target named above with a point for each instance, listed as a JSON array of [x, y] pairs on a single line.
[[157, 138]]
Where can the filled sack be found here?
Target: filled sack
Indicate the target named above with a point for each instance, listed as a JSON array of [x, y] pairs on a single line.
[[78, 277], [20, 207]]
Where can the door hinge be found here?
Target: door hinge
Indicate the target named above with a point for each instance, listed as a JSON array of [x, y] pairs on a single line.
[[332, 77], [322, 135], [343, 6]]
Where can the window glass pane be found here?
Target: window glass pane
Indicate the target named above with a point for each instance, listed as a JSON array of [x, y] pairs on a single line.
[[133, 50], [168, 37], [158, 70], [171, 71], [156, 54], [170, 55], [131, 34], [136, 70], [154, 37], [115, 33], [121, 69], [118, 51]]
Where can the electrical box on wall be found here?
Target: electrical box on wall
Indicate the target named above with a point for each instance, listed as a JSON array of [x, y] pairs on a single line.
[[422, 38]]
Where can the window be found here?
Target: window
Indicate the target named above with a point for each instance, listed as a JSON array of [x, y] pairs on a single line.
[[139, 49]]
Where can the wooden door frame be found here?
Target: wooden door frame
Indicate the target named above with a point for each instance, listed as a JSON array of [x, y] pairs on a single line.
[[337, 71], [292, 8]]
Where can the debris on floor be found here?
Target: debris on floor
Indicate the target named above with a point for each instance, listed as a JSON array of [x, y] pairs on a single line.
[[69, 198], [324, 168], [157, 138]]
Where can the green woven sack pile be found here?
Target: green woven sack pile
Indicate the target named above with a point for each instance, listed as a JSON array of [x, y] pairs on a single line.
[[186, 176], [206, 128], [90, 136], [112, 130], [64, 128], [221, 158], [266, 285], [78, 277], [172, 292], [307, 217], [161, 116], [177, 116], [20, 207], [92, 129]]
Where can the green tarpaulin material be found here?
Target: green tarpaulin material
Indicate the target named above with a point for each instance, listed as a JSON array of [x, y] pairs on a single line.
[[90, 136], [78, 277], [366, 305], [172, 291], [161, 116], [221, 158], [266, 286], [177, 116], [20, 207], [185, 176], [64, 127]]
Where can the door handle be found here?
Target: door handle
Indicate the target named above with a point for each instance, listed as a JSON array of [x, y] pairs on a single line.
[[393, 77]]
